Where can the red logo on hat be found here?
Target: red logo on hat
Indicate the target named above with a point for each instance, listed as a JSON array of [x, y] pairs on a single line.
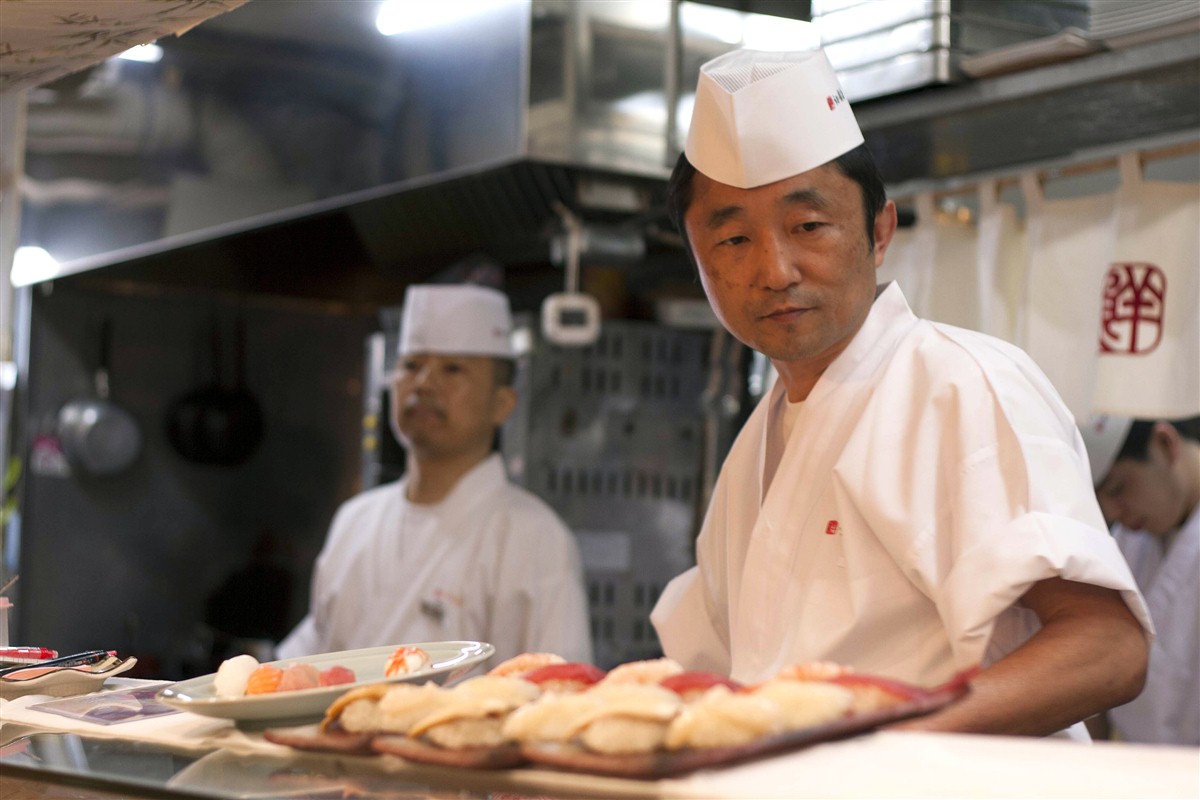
[[1131, 316], [831, 528]]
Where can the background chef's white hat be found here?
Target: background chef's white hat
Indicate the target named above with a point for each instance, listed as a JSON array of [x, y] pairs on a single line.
[[1103, 436], [761, 117], [456, 320]]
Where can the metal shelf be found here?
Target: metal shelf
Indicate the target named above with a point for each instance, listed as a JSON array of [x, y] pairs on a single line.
[[1052, 112]]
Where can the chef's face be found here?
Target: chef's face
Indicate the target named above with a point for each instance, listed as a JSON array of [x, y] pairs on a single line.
[[788, 267], [1144, 495], [448, 405]]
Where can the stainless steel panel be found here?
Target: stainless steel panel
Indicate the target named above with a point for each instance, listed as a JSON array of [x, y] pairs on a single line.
[[612, 437], [897, 74]]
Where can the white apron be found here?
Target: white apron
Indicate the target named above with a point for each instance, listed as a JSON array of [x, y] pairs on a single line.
[[1168, 709], [491, 562], [932, 476]]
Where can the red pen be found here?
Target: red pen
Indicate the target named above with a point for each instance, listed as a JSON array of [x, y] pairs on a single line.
[[26, 654]]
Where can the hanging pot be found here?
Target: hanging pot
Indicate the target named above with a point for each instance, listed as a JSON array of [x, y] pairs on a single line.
[[98, 436], [214, 424]]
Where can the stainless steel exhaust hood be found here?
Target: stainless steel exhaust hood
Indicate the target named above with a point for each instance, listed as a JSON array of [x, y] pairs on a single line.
[[504, 115], [582, 102]]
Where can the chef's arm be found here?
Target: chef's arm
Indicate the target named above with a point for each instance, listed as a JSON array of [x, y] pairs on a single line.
[[1090, 655]]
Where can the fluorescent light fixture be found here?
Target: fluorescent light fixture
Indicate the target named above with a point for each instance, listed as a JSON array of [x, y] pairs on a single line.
[[753, 31], [406, 16], [33, 264], [146, 53], [8, 375], [711, 22], [761, 32]]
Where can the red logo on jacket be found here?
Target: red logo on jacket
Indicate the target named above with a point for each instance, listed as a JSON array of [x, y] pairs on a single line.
[[831, 528], [1131, 316]]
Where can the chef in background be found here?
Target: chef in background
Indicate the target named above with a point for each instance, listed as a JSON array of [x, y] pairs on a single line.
[[1147, 475], [910, 499], [453, 550]]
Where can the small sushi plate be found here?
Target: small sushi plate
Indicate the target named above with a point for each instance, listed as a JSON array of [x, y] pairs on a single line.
[[62, 681], [449, 662]]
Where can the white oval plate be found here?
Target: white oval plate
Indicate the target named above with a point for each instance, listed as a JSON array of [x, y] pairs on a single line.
[[449, 661]]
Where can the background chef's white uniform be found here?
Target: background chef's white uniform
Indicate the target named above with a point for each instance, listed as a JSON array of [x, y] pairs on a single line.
[[490, 562], [1168, 709], [931, 477]]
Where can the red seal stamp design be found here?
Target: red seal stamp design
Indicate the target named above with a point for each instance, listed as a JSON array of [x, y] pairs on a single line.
[[1132, 310]]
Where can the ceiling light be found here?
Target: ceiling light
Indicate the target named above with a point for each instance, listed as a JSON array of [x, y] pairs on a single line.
[[146, 53], [32, 264], [406, 16]]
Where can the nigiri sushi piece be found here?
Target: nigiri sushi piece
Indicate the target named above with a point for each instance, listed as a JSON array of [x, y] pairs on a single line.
[[721, 718], [233, 674], [550, 718], [649, 671], [525, 662], [405, 661], [813, 671], [691, 686], [627, 718], [405, 704], [807, 703], [565, 678], [356, 711], [299, 676], [474, 711], [264, 680], [337, 675]]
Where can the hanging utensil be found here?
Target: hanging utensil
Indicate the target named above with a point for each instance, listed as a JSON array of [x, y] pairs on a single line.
[[213, 424], [98, 436]]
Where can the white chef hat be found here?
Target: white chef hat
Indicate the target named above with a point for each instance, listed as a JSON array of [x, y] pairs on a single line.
[[1103, 435], [761, 117], [456, 320]]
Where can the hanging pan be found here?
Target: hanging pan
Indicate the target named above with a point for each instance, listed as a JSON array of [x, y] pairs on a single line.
[[98, 436], [213, 423]]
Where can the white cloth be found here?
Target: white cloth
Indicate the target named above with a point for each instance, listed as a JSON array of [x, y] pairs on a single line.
[[1002, 257], [932, 477], [1168, 709], [1071, 244], [1150, 304], [491, 562]]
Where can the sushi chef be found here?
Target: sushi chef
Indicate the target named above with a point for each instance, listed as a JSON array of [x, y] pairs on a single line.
[[453, 550], [910, 499], [1147, 474]]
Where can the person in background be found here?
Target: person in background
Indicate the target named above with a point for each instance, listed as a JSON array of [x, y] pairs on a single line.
[[910, 499], [453, 550], [1147, 475]]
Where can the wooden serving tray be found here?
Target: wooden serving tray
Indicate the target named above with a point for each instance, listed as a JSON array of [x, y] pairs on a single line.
[[666, 764], [647, 766]]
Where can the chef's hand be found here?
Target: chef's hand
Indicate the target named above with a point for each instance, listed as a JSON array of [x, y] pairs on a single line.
[[1090, 655]]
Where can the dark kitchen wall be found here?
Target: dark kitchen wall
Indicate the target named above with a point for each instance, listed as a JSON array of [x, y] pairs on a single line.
[[152, 560]]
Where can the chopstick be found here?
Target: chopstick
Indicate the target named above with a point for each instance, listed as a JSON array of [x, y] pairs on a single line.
[[76, 660]]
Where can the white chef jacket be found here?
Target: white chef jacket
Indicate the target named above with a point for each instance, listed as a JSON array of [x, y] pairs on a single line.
[[490, 562], [1168, 709], [931, 477]]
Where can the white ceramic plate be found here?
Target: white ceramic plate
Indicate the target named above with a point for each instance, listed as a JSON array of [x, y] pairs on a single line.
[[449, 661], [64, 681]]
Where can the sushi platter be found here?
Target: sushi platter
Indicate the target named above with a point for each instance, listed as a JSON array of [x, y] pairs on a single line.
[[641, 721], [448, 661]]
